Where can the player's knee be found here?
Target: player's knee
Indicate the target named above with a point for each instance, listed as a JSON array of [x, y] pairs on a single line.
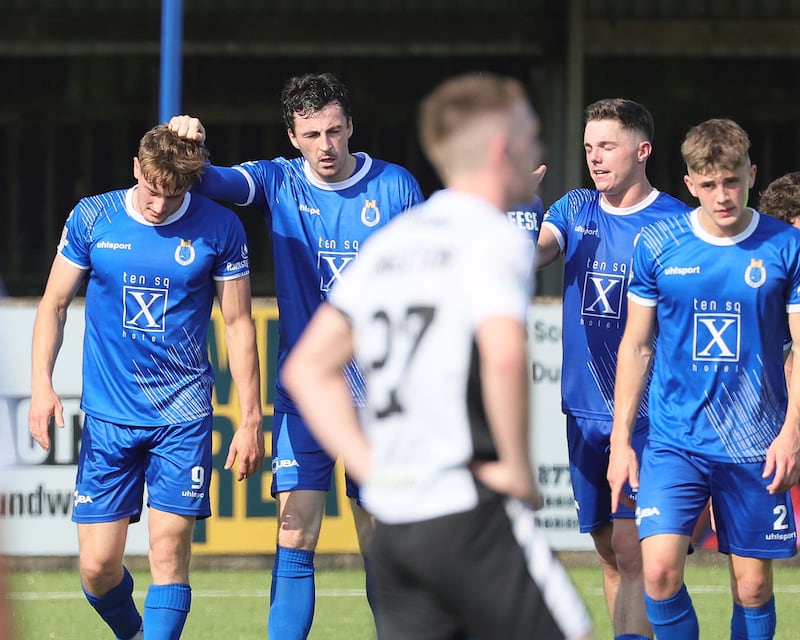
[[661, 579], [169, 560], [752, 591], [628, 553], [298, 538], [99, 576], [603, 544]]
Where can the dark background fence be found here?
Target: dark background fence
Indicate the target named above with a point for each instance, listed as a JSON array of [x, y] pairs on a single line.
[[81, 80]]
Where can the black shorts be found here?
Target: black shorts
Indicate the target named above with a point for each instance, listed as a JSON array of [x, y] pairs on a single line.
[[467, 576]]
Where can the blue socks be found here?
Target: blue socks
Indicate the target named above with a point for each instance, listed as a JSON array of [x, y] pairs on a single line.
[[117, 608], [673, 618], [292, 595], [757, 623], [631, 636], [165, 609]]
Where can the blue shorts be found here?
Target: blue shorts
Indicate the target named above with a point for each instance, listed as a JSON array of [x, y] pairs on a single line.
[[298, 461], [588, 444], [116, 461], [675, 488]]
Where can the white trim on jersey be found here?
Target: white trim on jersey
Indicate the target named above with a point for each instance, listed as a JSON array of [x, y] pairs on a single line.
[[138, 217], [251, 186], [359, 175]]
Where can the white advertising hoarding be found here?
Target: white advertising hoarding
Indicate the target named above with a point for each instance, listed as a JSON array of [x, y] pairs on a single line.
[[36, 486]]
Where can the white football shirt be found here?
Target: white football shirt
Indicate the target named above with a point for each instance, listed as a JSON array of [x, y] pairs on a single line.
[[420, 289]]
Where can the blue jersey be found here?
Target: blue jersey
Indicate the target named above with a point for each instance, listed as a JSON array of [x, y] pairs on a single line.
[[149, 293], [528, 217], [597, 241], [718, 387], [316, 229]]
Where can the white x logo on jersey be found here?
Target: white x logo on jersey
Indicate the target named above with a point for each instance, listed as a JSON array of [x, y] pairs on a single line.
[[331, 266], [603, 296], [147, 315], [715, 333]]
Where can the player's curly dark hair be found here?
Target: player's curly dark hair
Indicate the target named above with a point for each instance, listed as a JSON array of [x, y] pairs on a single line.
[[309, 93], [781, 198]]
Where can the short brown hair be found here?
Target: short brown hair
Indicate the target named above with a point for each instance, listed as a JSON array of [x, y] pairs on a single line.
[[716, 144], [781, 198], [170, 162], [630, 115]]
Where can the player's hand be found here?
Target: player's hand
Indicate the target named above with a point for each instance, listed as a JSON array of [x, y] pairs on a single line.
[[248, 446], [538, 175], [187, 127], [783, 461], [45, 404], [623, 468], [509, 481]]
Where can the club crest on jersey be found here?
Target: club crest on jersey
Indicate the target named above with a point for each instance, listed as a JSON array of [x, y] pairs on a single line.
[[370, 214], [755, 275], [184, 254]]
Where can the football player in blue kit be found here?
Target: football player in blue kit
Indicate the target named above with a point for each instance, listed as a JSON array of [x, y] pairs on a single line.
[[436, 311], [781, 200], [528, 217], [320, 207], [153, 257], [716, 284], [595, 230]]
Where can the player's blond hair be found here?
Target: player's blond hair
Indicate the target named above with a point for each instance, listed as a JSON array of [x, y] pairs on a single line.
[[714, 145], [170, 162], [449, 118]]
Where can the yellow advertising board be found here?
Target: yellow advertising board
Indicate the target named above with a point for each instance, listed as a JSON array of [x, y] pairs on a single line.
[[244, 516]]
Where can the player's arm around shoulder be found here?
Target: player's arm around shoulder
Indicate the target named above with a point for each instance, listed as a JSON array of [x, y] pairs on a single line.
[[240, 338], [221, 183], [783, 455], [48, 334]]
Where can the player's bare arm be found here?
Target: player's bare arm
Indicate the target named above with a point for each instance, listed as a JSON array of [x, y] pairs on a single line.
[[783, 455], [547, 248], [48, 334], [634, 358], [188, 127], [501, 344], [240, 336]]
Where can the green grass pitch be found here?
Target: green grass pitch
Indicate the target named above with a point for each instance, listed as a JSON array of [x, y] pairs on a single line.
[[232, 604]]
